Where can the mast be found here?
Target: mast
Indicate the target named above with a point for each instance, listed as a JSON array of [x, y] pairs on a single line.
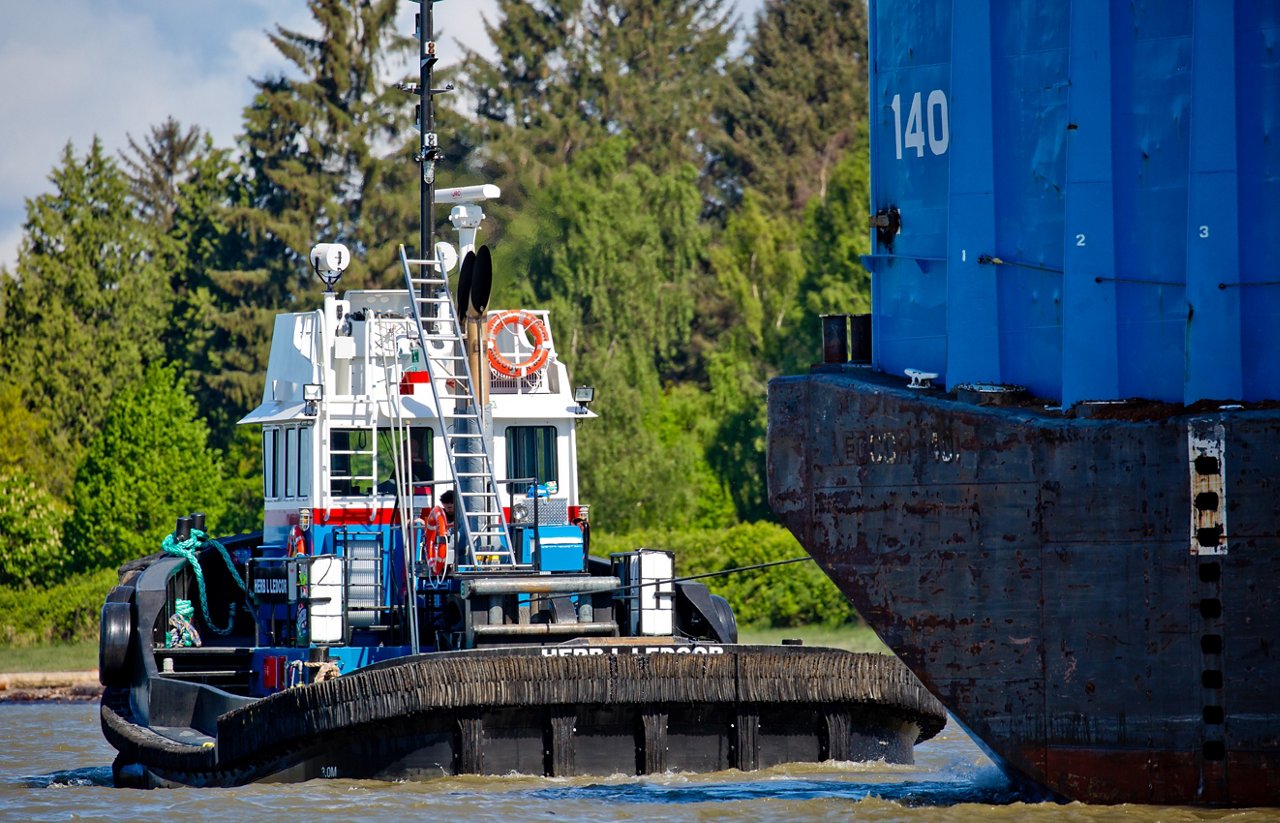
[[429, 150]]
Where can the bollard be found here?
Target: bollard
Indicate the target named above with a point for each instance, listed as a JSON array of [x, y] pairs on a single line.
[[860, 339], [835, 338]]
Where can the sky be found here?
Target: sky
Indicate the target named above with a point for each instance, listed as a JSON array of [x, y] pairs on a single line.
[[73, 69]]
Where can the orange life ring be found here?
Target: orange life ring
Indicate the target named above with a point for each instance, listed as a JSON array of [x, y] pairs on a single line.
[[436, 542], [522, 321]]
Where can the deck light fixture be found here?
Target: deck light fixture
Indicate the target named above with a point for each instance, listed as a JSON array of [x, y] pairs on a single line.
[[582, 395], [311, 394]]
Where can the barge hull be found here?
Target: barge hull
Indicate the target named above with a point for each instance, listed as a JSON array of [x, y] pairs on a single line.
[[1042, 577]]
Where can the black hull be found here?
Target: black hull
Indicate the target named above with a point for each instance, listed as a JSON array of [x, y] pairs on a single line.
[[1037, 573], [496, 712]]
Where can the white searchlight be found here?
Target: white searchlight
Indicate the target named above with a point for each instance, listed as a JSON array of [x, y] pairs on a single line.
[[329, 261]]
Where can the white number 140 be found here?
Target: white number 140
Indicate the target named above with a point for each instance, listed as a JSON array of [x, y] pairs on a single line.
[[933, 120]]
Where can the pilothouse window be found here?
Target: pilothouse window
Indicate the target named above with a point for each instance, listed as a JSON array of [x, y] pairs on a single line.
[[358, 466], [531, 452]]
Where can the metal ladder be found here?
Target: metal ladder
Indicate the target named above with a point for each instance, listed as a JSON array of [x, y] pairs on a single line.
[[483, 541]]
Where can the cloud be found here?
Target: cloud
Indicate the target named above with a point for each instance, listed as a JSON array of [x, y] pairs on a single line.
[[79, 68]]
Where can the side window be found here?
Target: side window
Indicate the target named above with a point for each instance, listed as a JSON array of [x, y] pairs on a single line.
[[268, 463], [290, 462], [304, 463], [531, 452]]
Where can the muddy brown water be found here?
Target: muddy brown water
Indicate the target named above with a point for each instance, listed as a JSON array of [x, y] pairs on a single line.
[[54, 765]]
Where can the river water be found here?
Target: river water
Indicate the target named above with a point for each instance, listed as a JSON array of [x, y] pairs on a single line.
[[54, 765]]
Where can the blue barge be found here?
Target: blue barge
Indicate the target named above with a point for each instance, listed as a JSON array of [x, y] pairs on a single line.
[[1047, 476]]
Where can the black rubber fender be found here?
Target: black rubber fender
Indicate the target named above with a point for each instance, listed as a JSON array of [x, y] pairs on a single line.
[[114, 636], [728, 620]]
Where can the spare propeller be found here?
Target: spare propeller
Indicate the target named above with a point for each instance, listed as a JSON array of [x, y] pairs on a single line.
[[482, 280], [465, 277]]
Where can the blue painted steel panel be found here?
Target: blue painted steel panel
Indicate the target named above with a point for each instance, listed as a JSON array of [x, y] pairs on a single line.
[[1120, 163], [1258, 158]]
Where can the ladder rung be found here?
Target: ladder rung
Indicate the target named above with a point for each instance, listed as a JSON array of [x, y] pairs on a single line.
[[418, 261]]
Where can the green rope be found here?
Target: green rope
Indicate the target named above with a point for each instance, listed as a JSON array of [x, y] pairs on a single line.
[[187, 551]]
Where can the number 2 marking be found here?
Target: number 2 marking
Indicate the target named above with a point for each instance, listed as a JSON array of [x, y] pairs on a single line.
[[1079, 239]]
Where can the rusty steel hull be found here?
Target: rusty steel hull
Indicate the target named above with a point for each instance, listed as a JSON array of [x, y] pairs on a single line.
[[1042, 576]]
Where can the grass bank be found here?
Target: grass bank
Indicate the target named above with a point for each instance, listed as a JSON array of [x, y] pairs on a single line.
[[53, 657], [854, 637], [83, 655]]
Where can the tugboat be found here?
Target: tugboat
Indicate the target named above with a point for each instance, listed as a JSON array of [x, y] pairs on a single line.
[[1047, 474], [422, 599]]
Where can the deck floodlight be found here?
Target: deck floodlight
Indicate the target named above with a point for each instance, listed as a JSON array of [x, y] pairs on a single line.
[[582, 395], [311, 394]]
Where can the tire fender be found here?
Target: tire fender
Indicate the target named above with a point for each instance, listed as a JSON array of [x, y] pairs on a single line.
[[114, 637]]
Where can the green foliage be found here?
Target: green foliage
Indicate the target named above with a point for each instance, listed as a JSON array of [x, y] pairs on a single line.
[[792, 102], [612, 250], [147, 466], [569, 74], [684, 214], [218, 336], [243, 467], [67, 612], [86, 306], [835, 236], [31, 551], [793, 595], [24, 434]]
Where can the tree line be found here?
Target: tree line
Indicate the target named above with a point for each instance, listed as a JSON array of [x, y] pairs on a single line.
[[686, 206]]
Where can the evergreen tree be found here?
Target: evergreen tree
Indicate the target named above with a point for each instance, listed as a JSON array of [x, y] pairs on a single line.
[[571, 73], [158, 166], [793, 101], [86, 307], [148, 464], [311, 144], [206, 337], [312, 172]]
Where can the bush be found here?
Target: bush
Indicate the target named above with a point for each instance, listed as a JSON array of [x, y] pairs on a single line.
[[149, 464], [780, 596], [68, 612], [31, 552]]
